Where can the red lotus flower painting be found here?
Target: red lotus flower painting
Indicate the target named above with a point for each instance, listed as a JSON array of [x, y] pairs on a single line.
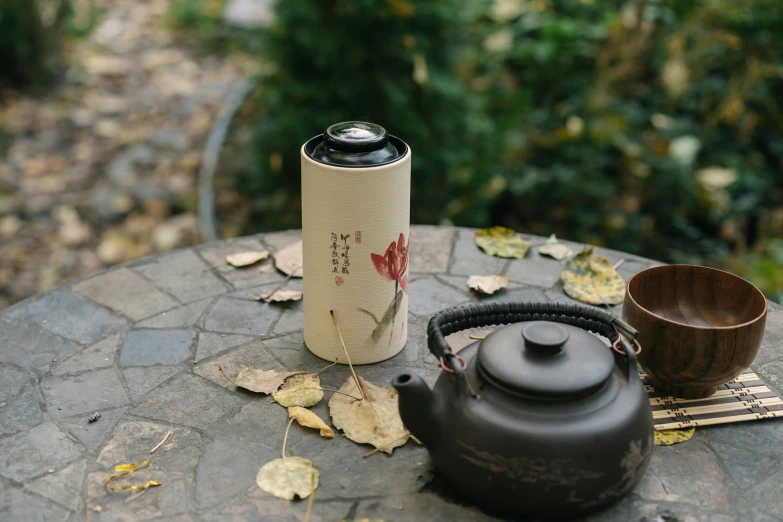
[[393, 266]]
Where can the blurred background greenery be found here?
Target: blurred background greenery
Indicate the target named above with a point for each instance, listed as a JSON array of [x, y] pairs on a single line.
[[652, 127]]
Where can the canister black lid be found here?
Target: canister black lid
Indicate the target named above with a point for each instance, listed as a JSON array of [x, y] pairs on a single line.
[[355, 144]]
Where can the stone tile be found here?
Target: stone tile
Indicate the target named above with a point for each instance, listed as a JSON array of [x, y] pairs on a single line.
[[772, 373], [64, 486], [430, 249], [417, 507], [292, 352], [28, 346], [100, 355], [182, 317], [662, 512], [158, 503], [28, 454], [535, 270], [279, 240], [126, 292], [771, 348], [259, 274], [12, 380], [85, 393], [261, 415], [189, 401], [142, 380], [133, 439], [259, 505], [19, 505], [210, 344], [766, 497], [745, 467], [376, 476], [688, 473], [292, 318], [184, 275], [150, 347], [69, 316], [21, 412], [764, 437], [230, 466], [428, 296], [253, 355], [468, 259], [241, 316], [630, 268], [92, 434]]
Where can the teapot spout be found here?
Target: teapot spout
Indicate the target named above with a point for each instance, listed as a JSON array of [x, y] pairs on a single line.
[[418, 409]]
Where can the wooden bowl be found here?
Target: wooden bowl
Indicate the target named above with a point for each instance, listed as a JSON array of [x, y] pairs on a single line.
[[698, 327]]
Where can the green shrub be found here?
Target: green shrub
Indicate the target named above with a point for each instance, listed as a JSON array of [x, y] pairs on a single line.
[[390, 62], [31, 34], [647, 126], [659, 135]]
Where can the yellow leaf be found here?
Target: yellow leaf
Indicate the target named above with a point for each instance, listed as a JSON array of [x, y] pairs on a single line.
[[308, 419], [241, 259], [279, 296], [590, 278], [300, 390], [401, 8], [289, 260], [554, 248], [375, 420], [261, 381], [501, 242], [288, 478], [487, 284], [669, 437]]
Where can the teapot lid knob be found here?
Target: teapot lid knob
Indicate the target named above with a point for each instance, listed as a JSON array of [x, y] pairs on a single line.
[[544, 337]]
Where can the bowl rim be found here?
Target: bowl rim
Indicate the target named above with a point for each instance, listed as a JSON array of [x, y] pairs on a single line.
[[675, 265]]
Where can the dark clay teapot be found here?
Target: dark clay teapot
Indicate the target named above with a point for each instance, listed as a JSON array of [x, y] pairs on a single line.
[[541, 418]]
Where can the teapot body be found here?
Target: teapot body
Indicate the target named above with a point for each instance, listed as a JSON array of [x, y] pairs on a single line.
[[553, 459]]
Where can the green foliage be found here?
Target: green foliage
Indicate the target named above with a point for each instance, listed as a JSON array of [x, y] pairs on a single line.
[[647, 126], [31, 34], [391, 62], [200, 16]]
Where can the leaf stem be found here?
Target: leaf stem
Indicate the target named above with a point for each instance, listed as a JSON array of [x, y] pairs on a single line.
[[326, 368], [345, 350], [309, 511], [285, 437], [284, 281], [227, 377]]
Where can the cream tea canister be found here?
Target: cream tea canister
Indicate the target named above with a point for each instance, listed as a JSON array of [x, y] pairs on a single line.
[[355, 242]]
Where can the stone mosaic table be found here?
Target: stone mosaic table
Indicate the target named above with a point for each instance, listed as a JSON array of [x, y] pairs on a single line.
[[141, 344]]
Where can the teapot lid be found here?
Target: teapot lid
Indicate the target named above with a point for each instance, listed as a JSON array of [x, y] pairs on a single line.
[[545, 359]]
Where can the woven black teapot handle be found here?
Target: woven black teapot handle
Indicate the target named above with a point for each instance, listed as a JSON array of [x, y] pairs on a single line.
[[490, 314]]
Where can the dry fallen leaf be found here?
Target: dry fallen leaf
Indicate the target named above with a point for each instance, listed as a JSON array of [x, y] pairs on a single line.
[[502, 242], [375, 420], [669, 437], [241, 259], [591, 278], [288, 477], [308, 419], [289, 260], [487, 284], [279, 296], [261, 381], [300, 390], [554, 248]]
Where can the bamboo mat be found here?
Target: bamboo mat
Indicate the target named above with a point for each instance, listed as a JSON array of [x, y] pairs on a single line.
[[746, 398]]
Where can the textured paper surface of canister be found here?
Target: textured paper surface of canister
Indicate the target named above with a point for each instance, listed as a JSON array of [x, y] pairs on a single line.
[[355, 230]]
